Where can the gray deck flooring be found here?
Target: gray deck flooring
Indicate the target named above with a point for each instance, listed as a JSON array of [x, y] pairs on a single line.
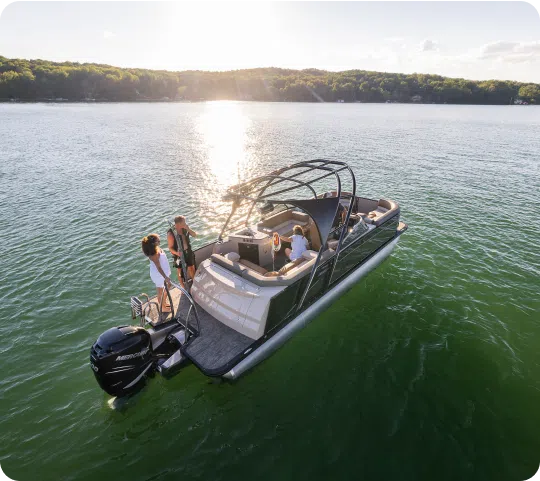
[[152, 313], [217, 343]]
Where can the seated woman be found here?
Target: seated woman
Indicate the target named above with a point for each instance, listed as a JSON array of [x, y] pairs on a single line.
[[299, 244]]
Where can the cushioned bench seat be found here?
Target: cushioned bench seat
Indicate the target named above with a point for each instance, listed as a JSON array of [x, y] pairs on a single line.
[[283, 222], [285, 228], [252, 266], [243, 268], [385, 210]]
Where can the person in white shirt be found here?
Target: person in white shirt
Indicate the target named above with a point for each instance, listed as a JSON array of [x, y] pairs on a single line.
[[299, 244], [160, 271]]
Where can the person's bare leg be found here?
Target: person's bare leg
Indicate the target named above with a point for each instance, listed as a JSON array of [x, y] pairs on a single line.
[[191, 272], [179, 272], [162, 296], [288, 252]]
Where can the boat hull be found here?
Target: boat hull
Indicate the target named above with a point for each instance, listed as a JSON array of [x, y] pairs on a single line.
[[276, 341]]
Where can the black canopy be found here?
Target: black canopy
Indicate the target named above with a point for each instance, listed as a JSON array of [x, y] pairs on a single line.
[[322, 211]]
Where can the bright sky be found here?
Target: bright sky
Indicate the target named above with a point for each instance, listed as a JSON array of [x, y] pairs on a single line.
[[475, 40]]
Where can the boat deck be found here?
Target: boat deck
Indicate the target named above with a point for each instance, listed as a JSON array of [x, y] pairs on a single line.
[[216, 346]]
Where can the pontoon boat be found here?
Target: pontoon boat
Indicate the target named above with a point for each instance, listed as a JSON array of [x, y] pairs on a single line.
[[246, 298]]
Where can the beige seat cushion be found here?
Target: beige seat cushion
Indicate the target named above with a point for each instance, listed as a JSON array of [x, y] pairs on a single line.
[[232, 256], [291, 276], [386, 209], [287, 268], [333, 243], [309, 254], [283, 222], [251, 265], [232, 266]]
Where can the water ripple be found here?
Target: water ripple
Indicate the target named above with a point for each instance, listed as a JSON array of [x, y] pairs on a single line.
[[436, 348]]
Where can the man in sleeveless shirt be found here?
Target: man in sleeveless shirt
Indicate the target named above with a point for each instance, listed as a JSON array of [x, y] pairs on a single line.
[[184, 233]]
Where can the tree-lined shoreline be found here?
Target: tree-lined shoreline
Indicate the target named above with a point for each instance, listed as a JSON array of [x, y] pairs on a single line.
[[41, 80]]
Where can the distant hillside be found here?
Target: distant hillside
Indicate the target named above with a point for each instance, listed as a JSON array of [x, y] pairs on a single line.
[[41, 80]]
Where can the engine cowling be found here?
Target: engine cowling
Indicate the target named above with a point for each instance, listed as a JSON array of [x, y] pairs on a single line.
[[121, 358]]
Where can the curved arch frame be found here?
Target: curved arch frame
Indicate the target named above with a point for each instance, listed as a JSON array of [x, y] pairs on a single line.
[[253, 192]]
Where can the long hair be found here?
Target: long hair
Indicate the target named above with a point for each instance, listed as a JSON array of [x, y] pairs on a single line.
[[149, 244], [298, 230]]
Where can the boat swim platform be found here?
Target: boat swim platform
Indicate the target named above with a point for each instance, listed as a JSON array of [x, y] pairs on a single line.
[[215, 347]]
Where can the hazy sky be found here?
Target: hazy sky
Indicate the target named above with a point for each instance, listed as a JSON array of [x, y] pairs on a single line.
[[475, 40]]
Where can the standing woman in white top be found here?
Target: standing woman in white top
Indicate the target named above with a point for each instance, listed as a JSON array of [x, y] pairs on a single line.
[[299, 244], [160, 269]]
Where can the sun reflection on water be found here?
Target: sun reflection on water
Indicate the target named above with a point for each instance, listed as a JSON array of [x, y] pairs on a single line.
[[224, 131]]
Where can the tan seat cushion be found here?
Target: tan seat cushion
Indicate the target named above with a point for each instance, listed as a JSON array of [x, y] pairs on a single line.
[[386, 209], [333, 243], [283, 222], [291, 265], [251, 265], [290, 277], [309, 254], [232, 256], [232, 266]]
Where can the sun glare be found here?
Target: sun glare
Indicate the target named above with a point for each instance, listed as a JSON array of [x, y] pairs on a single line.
[[226, 156], [221, 35], [224, 130]]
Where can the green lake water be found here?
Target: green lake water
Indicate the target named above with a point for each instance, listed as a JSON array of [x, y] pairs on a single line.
[[427, 369]]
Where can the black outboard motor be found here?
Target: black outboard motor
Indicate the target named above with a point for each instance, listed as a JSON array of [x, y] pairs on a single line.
[[120, 358]]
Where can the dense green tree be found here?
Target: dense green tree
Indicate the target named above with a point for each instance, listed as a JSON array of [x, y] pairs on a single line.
[[530, 93], [41, 80]]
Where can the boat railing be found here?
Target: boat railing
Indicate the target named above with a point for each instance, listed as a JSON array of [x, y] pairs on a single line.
[[344, 229], [338, 232], [142, 309], [192, 308]]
